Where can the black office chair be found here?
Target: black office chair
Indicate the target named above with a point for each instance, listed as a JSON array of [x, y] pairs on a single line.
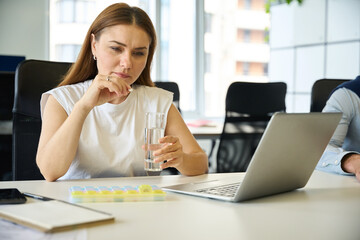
[[172, 87], [6, 105], [249, 107], [6, 95], [321, 91], [32, 78]]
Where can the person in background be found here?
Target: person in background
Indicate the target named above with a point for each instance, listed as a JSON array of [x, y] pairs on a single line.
[[342, 154], [93, 122]]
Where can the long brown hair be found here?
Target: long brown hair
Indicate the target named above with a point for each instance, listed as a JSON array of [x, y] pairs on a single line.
[[119, 13]]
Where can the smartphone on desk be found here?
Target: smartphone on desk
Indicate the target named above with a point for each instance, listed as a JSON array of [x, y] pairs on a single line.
[[11, 196]]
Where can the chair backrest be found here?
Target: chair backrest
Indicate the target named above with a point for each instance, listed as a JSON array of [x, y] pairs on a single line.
[[172, 87], [6, 105], [256, 99], [32, 78], [6, 95], [320, 92], [249, 107]]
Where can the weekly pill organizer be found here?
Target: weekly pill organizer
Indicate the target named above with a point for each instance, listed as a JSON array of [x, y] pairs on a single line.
[[81, 194]]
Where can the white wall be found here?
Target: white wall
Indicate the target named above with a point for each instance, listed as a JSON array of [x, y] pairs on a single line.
[[24, 28], [318, 39]]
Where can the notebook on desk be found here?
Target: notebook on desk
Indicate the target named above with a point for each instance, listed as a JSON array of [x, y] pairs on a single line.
[[284, 160], [53, 215]]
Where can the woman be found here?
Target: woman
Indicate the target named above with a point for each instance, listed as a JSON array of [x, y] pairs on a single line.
[[95, 128]]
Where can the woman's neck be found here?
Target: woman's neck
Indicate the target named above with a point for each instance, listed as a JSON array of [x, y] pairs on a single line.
[[119, 100]]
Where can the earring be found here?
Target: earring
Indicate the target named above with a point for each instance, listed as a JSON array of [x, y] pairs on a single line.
[[94, 58]]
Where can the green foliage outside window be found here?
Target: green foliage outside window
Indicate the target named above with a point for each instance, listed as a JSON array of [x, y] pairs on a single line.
[[270, 2]]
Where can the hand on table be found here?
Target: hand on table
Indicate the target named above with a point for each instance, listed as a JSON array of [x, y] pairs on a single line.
[[351, 164]]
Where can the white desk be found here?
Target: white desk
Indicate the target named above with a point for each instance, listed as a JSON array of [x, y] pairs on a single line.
[[327, 208], [211, 133]]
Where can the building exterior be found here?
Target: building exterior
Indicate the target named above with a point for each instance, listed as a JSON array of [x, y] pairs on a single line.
[[235, 46]]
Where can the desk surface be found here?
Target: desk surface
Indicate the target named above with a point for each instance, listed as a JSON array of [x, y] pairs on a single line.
[[327, 208], [212, 132]]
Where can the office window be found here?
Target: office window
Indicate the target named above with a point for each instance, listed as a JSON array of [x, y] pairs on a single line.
[[75, 11], [246, 68], [266, 35], [251, 36], [247, 4], [247, 35], [68, 52], [266, 68], [235, 47], [70, 20], [178, 49], [163, 42], [207, 62], [66, 11], [251, 4], [208, 22], [251, 69], [244, 4]]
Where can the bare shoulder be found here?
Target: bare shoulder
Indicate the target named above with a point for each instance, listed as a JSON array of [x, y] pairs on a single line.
[[174, 116], [53, 109], [176, 125]]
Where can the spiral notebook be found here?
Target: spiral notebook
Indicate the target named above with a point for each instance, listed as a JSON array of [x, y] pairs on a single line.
[[53, 216]]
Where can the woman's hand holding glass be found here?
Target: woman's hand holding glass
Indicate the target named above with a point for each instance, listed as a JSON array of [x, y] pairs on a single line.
[[171, 152]]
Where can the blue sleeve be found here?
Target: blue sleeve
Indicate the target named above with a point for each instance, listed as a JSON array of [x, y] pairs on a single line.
[[340, 101]]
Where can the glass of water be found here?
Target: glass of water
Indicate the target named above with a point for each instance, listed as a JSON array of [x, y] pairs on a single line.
[[154, 130]]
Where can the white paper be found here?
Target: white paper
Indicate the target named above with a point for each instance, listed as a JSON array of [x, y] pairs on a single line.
[[13, 231]]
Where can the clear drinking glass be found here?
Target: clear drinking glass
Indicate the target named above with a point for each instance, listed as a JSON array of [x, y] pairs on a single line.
[[154, 130]]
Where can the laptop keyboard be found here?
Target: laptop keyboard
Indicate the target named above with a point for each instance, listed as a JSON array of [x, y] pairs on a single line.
[[228, 190]]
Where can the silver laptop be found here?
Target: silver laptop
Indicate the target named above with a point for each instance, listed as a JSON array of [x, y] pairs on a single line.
[[284, 160]]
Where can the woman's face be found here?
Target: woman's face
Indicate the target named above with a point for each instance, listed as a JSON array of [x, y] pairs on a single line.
[[122, 51]]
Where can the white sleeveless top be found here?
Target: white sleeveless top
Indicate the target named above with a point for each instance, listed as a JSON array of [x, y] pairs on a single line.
[[112, 134]]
